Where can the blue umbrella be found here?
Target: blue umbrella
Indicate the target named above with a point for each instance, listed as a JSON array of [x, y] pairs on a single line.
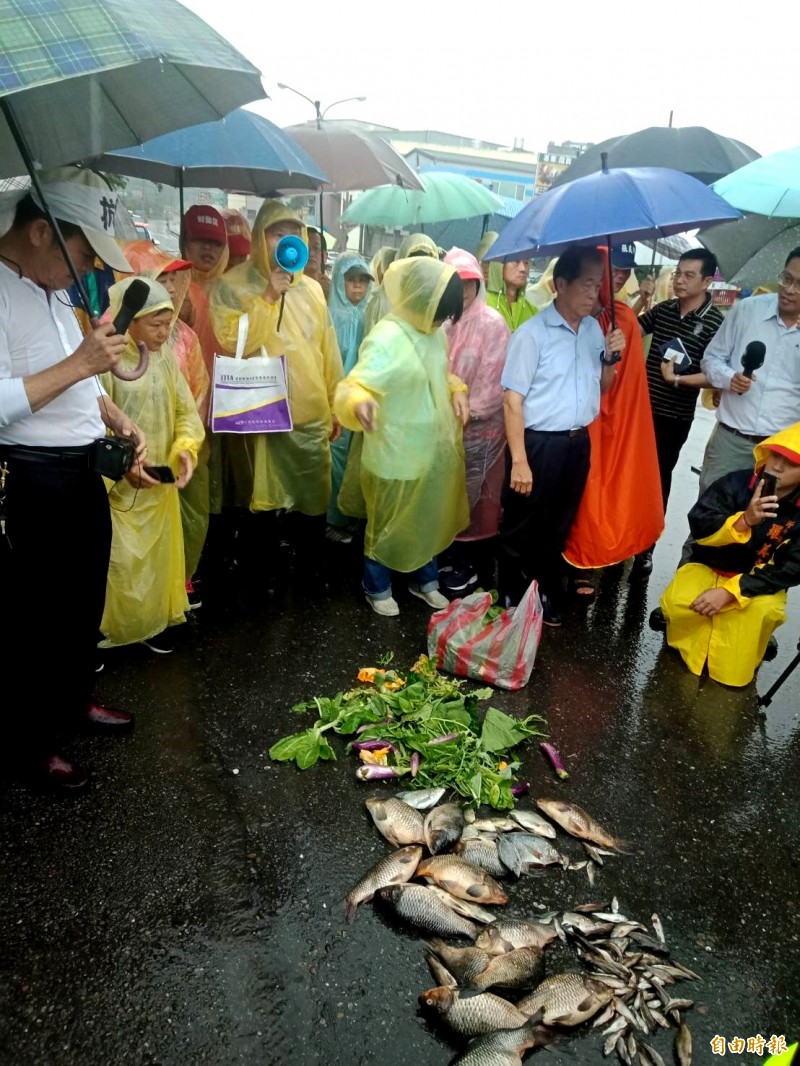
[[242, 153], [612, 205]]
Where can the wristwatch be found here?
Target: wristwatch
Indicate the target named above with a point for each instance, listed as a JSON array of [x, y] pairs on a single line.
[[612, 360], [676, 382]]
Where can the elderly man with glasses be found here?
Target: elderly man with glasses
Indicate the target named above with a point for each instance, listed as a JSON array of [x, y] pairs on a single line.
[[753, 408]]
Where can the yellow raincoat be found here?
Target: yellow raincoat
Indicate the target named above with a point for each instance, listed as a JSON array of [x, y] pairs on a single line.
[[146, 588], [757, 567], [149, 262], [275, 470], [415, 244], [408, 477]]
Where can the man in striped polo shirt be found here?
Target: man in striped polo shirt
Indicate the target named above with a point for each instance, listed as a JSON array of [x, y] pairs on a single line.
[[692, 318]]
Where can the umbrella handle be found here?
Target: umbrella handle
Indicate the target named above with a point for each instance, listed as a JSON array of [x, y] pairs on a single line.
[[138, 371], [611, 308]]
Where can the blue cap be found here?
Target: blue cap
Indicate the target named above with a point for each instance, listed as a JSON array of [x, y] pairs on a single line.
[[623, 256]]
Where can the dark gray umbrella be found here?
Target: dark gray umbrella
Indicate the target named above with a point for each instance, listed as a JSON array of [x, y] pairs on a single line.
[[695, 150], [753, 251]]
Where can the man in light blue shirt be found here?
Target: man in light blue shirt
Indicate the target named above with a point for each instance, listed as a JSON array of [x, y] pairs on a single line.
[[556, 367], [751, 409]]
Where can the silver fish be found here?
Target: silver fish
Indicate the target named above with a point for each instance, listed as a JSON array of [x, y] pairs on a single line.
[[580, 824], [443, 827], [422, 798], [683, 1045], [658, 927], [396, 821], [506, 934], [655, 1058], [505, 1047], [418, 906], [463, 963], [585, 924], [474, 1016], [567, 999], [439, 971], [483, 854], [520, 968], [532, 822], [461, 879], [495, 825], [461, 906], [394, 869]]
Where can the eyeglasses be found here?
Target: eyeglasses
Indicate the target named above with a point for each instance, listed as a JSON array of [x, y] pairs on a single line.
[[788, 282]]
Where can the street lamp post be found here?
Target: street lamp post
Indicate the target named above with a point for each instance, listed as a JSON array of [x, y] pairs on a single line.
[[320, 114]]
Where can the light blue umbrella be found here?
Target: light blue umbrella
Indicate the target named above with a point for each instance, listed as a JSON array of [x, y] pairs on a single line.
[[767, 186]]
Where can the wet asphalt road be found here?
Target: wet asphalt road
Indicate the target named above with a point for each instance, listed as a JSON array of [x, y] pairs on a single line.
[[188, 910]]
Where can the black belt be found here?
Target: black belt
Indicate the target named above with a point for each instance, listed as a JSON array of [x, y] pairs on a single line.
[[752, 437], [579, 432], [77, 457]]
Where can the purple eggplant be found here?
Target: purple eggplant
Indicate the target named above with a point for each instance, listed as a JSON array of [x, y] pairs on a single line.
[[372, 745], [555, 761], [376, 773], [520, 788], [415, 760]]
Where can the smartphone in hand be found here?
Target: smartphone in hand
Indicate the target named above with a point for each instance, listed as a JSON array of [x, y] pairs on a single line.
[[161, 473], [769, 486]]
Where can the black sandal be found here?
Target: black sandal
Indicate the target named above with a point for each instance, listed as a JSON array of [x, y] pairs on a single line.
[[583, 589]]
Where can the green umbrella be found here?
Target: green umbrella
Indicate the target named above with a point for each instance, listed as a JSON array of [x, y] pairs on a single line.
[[81, 77], [445, 197]]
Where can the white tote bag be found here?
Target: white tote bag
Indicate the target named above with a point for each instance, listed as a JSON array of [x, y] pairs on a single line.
[[250, 395]]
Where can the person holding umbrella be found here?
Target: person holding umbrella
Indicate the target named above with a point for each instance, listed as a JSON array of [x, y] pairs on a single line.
[[556, 368], [54, 514]]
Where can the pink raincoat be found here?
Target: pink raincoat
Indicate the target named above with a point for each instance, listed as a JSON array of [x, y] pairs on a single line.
[[477, 355]]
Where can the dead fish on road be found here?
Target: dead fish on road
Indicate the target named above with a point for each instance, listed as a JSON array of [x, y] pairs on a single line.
[[418, 906], [394, 869], [578, 823], [483, 854], [473, 911], [683, 1045], [532, 822], [472, 1017], [463, 963], [443, 827], [566, 999], [396, 821], [506, 935], [499, 824], [586, 924], [439, 972], [422, 798], [506, 1046], [460, 879], [520, 968]]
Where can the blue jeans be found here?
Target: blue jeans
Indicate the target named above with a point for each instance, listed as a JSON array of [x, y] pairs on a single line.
[[377, 580]]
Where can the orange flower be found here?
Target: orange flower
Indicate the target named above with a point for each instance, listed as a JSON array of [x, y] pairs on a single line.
[[379, 757], [367, 673], [502, 765], [394, 685]]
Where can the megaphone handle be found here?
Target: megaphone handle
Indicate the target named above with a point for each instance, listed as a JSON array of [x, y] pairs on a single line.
[[280, 313]]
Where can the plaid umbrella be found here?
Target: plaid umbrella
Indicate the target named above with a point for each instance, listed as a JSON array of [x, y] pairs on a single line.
[[82, 77]]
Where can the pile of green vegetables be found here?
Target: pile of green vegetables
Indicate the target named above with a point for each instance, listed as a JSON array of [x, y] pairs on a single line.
[[419, 726]]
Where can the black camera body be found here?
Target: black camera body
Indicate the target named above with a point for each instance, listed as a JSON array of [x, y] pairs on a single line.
[[112, 457]]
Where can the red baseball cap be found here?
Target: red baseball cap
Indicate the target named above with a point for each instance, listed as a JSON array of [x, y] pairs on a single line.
[[201, 223]]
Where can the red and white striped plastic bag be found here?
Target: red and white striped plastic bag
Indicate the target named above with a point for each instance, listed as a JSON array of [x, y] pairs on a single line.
[[501, 653]]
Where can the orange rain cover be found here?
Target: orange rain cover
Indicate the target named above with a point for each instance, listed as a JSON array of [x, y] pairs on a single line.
[[621, 512]]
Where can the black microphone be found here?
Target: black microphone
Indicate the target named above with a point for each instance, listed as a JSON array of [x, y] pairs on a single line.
[[753, 357], [134, 299]]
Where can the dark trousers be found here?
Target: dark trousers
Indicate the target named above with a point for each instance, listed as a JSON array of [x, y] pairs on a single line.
[[671, 434], [53, 588], [535, 528]]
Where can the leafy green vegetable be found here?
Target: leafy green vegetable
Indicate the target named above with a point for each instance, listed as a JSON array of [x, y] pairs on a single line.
[[412, 710]]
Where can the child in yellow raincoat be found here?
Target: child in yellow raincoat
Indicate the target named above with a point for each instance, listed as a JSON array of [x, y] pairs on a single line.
[[146, 590], [722, 606], [408, 477], [290, 470]]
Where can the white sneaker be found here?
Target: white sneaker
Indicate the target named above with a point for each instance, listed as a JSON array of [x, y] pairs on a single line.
[[387, 607], [434, 598]]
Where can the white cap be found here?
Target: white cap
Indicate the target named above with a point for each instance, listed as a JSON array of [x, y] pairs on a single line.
[[83, 198]]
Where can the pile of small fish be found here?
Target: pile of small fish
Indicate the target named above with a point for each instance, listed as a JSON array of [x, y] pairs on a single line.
[[625, 986]]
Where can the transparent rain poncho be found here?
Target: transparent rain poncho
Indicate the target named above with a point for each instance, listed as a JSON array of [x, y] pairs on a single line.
[[149, 262], [348, 321], [407, 479], [146, 588], [477, 355], [282, 470], [415, 244]]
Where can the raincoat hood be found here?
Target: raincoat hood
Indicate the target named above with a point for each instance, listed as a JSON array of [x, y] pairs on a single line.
[[419, 244], [158, 298], [485, 244], [348, 318], [785, 443], [206, 278], [496, 283], [272, 212], [238, 230], [381, 260], [542, 292], [468, 268], [414, 288], [148, 261]]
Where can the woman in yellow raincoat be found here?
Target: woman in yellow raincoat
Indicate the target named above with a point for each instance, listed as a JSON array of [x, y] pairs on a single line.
[[146, 589], [290, 470], [722, 606], [175, 275], [408, 478], [412, 246]]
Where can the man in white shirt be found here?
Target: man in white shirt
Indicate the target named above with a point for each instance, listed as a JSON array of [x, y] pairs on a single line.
[[752, 409], [55, 527]]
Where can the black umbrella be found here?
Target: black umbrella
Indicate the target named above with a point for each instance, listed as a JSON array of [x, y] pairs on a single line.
[[695, 150], [752, 252]]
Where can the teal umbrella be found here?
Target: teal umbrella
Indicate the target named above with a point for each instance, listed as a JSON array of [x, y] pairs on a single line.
[[445, 197], [767, 186]]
